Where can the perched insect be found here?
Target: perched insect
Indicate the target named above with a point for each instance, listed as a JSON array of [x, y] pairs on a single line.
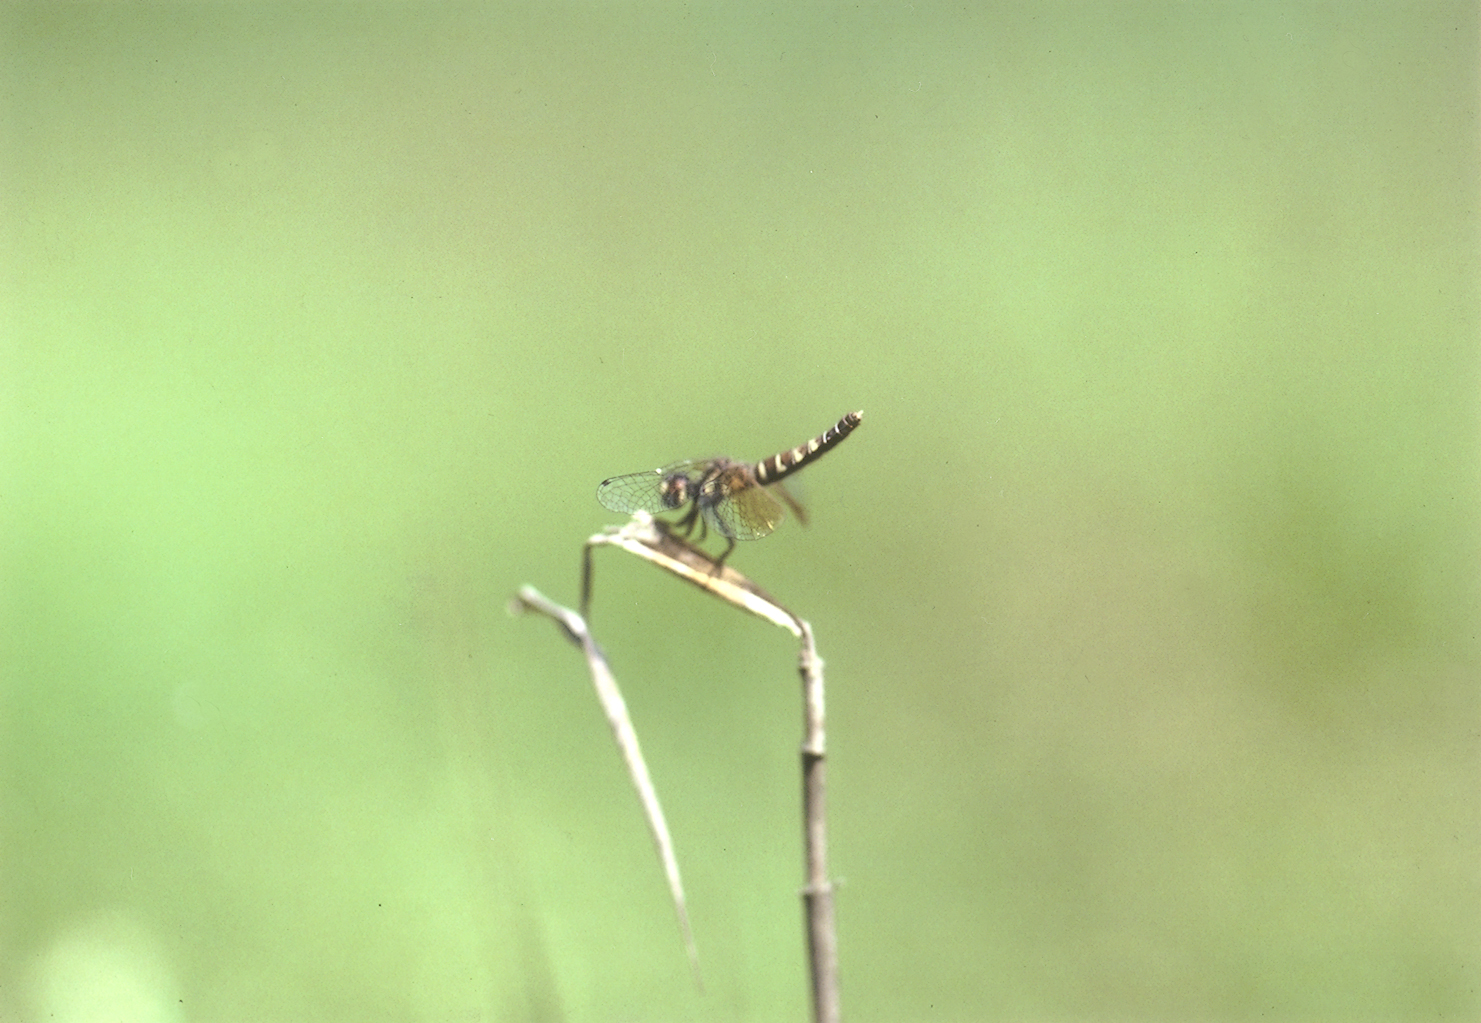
[[735, 499]]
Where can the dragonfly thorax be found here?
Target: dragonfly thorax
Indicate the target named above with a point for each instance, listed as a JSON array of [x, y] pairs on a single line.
[[717, 478]]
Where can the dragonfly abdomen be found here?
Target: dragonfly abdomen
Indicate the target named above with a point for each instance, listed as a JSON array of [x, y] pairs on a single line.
[[784, 463]]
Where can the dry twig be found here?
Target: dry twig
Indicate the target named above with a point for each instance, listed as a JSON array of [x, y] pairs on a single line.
[[653, 541]]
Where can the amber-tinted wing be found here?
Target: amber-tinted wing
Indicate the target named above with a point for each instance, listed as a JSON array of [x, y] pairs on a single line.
[[740, 508], [652, 491]]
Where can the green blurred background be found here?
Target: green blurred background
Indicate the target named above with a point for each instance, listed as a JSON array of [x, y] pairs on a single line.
[[1148, 588]]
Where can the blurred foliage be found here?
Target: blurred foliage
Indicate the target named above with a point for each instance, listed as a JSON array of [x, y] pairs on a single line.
[[1148, 587]]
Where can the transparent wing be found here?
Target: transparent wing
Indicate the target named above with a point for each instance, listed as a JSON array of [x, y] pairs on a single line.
[[657, 490], [741, 510]]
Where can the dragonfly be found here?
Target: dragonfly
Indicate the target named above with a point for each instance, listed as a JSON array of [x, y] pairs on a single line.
[[738, 500]]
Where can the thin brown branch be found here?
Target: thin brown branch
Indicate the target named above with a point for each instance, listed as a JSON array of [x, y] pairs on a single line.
[[615, 707], [817, 893], [655, 543], [652, 541]]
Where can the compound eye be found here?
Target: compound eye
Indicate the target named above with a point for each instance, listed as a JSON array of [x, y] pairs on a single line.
[[675, 490]]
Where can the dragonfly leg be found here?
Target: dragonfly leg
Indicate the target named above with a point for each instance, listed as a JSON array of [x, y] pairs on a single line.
[[686, 524]]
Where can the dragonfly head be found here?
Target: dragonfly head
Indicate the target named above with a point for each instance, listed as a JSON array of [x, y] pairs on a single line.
[[676, 490]]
